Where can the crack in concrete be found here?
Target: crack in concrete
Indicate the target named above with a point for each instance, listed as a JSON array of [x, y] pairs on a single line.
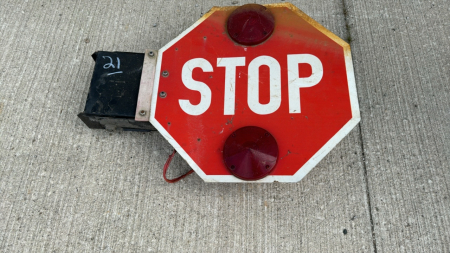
[[366, 180]]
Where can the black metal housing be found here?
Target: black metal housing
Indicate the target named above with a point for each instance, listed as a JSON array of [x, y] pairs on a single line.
[[113, 93]]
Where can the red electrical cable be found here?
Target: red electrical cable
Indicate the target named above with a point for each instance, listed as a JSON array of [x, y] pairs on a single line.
[[166, 166]]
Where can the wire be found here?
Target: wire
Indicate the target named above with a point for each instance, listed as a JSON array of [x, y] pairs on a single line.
[[166, 166]]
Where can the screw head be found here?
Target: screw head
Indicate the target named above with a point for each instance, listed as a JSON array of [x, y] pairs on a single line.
[[162, 94], [165, 73], [151, 53], [142, 112]]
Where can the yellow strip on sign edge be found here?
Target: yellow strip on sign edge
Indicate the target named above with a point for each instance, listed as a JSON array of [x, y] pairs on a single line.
[[293, 8]]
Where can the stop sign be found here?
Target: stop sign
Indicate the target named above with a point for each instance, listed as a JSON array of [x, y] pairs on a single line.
[[287, 95]]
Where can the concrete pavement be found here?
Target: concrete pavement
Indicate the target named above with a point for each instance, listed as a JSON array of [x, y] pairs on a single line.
[[64, 187]]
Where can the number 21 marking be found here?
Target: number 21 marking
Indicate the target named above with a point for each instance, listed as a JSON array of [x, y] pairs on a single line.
[[111, 65]]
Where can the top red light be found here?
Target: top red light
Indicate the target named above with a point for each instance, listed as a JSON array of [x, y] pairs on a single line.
[[250, 24]]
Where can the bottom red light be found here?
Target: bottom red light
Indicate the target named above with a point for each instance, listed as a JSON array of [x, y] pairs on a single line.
[[250, 153]]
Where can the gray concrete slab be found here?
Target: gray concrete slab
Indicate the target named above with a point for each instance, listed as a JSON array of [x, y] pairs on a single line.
[[401, 51], [64, 187]]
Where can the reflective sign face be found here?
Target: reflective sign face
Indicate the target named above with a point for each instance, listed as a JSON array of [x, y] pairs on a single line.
[[298, 85]]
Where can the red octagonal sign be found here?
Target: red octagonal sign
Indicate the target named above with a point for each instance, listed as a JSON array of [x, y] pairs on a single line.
[[297, 85]]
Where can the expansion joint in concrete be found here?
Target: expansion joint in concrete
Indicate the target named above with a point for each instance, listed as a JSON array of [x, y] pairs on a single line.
[[349, 39]]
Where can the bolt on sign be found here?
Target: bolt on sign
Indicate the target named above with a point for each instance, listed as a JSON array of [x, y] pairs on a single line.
[[254, 93]]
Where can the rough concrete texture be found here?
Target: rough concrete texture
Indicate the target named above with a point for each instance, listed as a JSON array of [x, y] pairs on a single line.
[[64, 187], [402, 62]]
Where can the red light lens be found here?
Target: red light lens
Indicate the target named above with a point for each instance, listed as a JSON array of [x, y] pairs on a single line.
[[250, 153], [250, 24]]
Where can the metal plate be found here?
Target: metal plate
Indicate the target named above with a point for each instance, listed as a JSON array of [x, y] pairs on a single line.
[[146, 86]]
